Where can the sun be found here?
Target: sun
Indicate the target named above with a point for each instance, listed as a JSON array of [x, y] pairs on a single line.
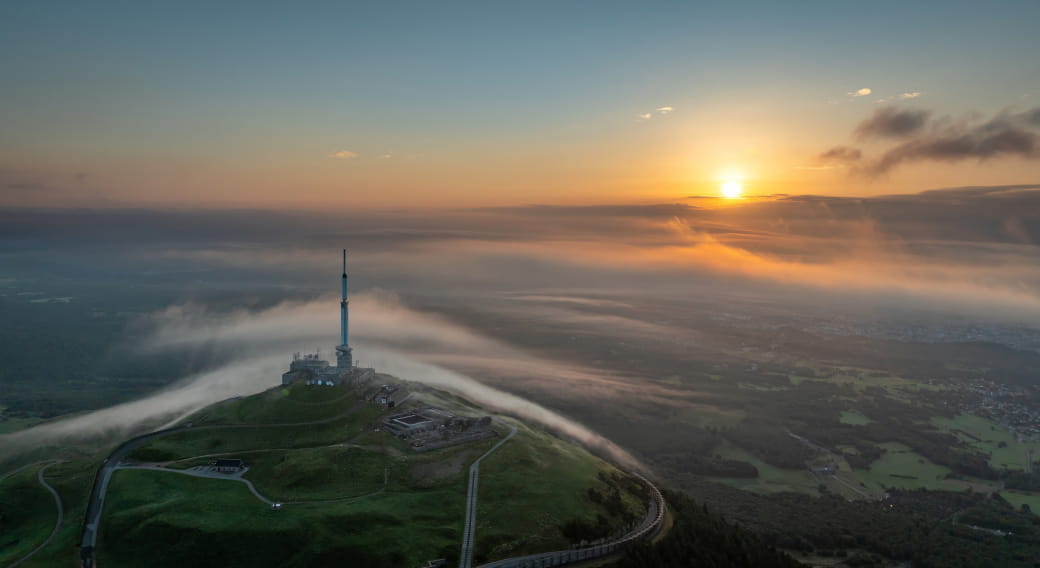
[[732, 189]]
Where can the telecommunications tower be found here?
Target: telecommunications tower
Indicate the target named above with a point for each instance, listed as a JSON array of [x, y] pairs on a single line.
[[344, 357]]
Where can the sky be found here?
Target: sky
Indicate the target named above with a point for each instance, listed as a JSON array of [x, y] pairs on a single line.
[[400, 105]]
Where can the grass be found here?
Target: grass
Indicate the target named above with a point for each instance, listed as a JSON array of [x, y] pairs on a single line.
[[208, 522], [321, 473], [418, 517], [860, 379], [861, 382], [902, 468], [72, 480], [530, 487], [1018, 498], [854, 418], [27, 515], [706, 415], [987, 437], [8, 424], [200, 441], [282, 405], [674, 380], [770, 479], [761, 388]]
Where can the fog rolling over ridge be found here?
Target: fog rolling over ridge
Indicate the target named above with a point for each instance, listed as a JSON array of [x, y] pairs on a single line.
[[394, 340], [568, 316]]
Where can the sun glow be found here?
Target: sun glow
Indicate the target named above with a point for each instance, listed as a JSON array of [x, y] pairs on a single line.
[[732, 189]]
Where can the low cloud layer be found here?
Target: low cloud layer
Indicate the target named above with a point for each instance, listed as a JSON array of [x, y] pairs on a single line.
[[394, 339], [960, 253]]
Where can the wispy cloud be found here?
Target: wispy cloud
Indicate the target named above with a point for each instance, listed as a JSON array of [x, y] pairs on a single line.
[[837, 156], [660, 111], [946, 139], [891, 122], [860, 92], [900, 97], [399, 341], [343, 155]]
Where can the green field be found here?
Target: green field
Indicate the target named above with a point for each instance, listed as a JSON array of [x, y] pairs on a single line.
[[854, 418], [1018, 498], [989, 437], [902, 468], [705, 415], [771, 479], [861, 379], [8, 424]]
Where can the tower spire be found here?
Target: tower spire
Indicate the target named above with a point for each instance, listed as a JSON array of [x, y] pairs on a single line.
[[344, 307], [344, 358]]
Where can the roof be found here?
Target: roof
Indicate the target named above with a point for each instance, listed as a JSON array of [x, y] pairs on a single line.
[[410, 419], [228, 463]]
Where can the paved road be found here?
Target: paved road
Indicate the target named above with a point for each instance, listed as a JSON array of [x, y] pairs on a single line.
[[834, 457], [466, 558], [57, 523], [92, 520]]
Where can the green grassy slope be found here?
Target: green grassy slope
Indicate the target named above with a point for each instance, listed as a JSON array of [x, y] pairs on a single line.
[[408, 506], [535, 485], [200, 522], [27, 515], [72, 480], [364, 494]]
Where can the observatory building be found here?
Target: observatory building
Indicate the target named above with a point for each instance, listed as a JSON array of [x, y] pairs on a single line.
[[314, 370]]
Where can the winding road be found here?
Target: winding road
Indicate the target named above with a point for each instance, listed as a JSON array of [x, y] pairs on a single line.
[[92, 519], [202, 471], [57, 523]]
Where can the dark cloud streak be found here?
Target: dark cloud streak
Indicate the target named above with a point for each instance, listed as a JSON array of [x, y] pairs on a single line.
[[890, 122], [841, 154], [944, 139]]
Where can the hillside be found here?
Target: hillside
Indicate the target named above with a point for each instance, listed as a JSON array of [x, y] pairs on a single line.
[[346, 487]]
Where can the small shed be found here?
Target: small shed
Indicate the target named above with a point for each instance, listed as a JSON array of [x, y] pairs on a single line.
[[228, 465]]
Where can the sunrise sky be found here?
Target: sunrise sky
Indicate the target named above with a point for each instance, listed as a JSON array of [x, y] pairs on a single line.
[[450, 104]]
